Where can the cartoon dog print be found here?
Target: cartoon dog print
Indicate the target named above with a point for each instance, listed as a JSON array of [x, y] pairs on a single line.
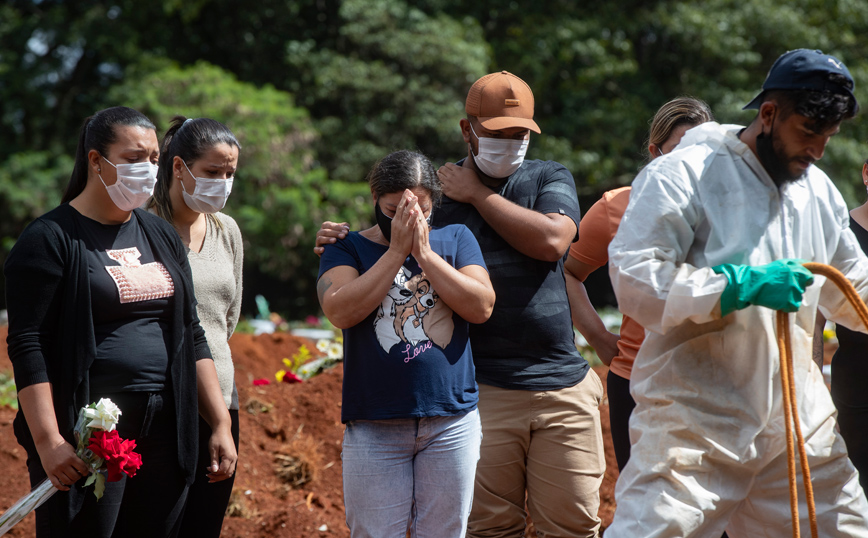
[[397, 295], [414, 310], [405, 315]]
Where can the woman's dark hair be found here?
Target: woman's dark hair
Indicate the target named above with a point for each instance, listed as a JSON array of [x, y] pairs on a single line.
[[405, 169], [98, 132], [188, 139], [677, 112]]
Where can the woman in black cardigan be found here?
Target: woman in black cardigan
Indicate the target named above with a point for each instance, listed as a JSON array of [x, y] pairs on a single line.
[[101, 304]]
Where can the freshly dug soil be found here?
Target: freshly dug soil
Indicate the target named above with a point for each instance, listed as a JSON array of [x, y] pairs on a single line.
[[289, 471]]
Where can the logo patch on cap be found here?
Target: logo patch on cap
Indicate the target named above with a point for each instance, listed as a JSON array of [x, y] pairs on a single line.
[[511, 102]]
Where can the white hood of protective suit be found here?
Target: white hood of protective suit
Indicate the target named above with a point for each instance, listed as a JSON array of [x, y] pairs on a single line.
[[711, 202]]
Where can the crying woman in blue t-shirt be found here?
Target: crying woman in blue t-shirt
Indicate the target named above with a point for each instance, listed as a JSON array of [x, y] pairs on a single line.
[[404, 293]]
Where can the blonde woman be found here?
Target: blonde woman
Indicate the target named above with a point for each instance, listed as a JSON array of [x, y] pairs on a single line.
[[590, 252]]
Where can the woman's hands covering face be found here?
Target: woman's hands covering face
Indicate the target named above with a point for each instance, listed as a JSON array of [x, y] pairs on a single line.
[[404, 223]]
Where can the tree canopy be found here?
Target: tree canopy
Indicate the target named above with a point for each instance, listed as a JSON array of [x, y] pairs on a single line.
[[318, 90]]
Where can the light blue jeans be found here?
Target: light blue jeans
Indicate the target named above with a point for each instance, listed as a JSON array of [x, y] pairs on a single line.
[[415, 474]]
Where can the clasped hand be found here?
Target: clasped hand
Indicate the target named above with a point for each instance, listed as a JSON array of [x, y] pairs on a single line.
[[409, 228]]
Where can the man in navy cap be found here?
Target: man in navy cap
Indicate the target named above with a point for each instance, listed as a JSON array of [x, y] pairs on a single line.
[[710, 247]]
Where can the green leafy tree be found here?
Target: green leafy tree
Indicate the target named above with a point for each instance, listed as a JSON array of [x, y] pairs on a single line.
[[280, 196], [395, 79], [51, 78], [378, 75], [31, 183], [600, 70], [730, 56], [58, 60]]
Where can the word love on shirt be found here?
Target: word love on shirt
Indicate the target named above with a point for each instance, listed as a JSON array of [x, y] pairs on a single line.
[[411, 352]]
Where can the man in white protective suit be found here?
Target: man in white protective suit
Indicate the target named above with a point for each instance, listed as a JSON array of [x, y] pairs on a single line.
[[706, 253]]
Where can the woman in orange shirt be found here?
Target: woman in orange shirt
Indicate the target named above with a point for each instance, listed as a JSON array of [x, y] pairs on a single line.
[[590, 252]]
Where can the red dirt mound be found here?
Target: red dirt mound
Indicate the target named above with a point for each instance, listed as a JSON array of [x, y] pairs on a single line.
[[289, 472]]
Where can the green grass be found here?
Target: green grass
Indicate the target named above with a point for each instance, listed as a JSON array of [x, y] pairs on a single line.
[[8, 394]]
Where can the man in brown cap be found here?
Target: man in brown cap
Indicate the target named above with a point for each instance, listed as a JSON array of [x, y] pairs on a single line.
[[538, 398], [542, 445]]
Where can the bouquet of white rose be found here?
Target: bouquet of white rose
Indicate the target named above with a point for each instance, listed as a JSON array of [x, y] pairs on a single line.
[[98, 445]]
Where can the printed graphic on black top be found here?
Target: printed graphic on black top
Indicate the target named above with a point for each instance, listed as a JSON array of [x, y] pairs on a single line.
[[133, 325], [137, 282], [412, 316]]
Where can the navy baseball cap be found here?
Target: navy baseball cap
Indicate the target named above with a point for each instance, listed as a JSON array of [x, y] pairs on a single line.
[[804, 69]]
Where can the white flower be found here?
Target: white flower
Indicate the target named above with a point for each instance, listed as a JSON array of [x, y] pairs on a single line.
[[103, 415], [335, 351], [322, 345]]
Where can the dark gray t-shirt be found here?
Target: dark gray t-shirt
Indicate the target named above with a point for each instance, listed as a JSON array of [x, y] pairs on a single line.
[[527, 344]]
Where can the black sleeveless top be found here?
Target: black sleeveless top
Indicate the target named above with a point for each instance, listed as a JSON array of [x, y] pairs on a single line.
[[850, 363]]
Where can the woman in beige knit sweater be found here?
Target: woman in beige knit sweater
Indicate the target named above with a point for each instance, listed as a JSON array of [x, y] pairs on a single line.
[[197, 165]]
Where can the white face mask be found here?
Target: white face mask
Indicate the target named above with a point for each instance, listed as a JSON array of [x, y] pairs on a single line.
[[134, 185], [209, 194], [499, 157]]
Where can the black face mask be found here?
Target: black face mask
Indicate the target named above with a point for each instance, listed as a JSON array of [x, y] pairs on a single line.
[[771, 160], [384, 222]]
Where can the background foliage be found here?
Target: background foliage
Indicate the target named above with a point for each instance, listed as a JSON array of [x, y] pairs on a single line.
[[317, 90]]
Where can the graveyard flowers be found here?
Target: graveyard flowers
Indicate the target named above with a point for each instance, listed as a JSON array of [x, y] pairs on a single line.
[[303, 365]]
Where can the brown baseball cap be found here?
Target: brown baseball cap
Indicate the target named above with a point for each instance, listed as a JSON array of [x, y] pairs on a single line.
[[501, 101]]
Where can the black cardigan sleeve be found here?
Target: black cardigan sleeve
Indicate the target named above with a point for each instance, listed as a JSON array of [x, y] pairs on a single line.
[[34, 276]]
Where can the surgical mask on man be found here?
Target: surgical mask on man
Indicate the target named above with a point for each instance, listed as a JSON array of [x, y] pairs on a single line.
[[499, 157], [209, 194], [134, 185]]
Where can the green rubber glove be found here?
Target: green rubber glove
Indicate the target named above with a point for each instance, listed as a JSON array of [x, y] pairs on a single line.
[[778, 285]]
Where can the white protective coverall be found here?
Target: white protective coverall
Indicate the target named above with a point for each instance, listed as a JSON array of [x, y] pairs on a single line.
[[709, 449]]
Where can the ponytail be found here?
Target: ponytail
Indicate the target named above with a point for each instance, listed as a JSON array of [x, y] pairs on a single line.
[[161, 202], [188, 139], [79, 171]]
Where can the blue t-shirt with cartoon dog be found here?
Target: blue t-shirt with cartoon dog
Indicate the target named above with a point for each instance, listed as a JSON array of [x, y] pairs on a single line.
[[411, 356]]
